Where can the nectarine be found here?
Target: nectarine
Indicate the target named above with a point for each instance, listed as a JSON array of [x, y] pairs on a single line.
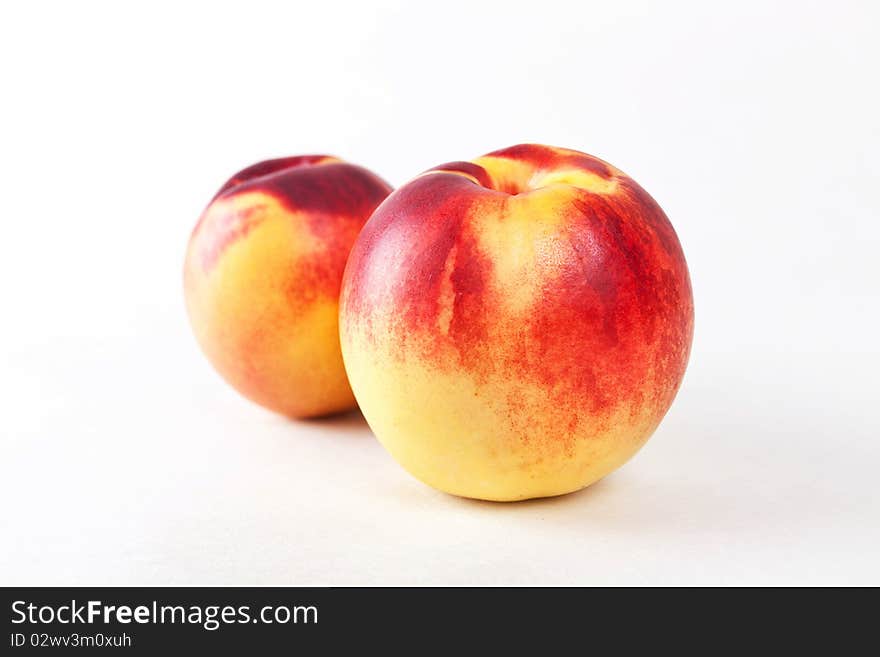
[[518, 325], [262, 277]]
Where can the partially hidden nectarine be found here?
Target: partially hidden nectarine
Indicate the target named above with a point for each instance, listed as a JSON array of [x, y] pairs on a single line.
[[262, 277]]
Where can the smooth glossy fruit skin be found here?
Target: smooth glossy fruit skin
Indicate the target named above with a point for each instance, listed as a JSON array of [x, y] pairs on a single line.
[[518, 325], [262, 277]]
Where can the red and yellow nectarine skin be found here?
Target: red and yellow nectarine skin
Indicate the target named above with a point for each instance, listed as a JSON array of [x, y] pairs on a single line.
[[262, 278], [516, 326]]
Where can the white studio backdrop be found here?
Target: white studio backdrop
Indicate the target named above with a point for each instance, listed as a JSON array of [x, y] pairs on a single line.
[[126, 460]]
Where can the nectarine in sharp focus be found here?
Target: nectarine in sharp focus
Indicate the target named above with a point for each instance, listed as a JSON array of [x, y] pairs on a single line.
[[262, 277], [518, 325]]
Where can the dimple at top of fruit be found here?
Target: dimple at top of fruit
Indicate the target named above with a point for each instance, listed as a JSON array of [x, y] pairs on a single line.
[[526, 168]]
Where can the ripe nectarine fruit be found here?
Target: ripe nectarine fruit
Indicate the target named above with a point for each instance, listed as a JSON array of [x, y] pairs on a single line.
[[516, 326], [262, 277]]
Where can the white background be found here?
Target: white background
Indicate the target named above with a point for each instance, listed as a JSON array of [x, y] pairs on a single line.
[[126, 460]]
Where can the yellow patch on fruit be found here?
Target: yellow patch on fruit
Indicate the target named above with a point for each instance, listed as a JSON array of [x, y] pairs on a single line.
[[495, 439], [274, 351], [521, 177], [574, 178], [522, 239], [446, 299]]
